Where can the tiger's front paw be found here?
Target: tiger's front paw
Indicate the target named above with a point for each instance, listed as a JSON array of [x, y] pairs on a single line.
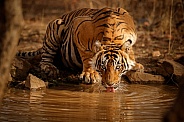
[[50, 70], [138, 67], [90, 77]]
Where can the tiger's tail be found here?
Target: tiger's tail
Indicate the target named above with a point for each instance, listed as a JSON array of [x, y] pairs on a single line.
[[28, 54]]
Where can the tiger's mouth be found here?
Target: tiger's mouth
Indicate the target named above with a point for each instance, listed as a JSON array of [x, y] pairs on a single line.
[[110, 88]]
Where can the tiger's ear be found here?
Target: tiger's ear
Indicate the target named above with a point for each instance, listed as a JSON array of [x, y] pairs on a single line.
[[126, 45]]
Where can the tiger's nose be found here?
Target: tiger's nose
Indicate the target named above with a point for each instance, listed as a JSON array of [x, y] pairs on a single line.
[[110, 83]]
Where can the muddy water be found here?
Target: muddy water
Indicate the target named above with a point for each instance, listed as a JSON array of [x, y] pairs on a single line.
[[132, 103]]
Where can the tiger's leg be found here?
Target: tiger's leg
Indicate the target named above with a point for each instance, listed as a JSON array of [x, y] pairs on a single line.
[[89, 75], [138, 67], [83, 29], [50, 47]]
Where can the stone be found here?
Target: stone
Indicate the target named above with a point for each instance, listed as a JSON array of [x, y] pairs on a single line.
[[176, 112], [180, 60], [171, 69], [32, 82], [20, 69], [144, 78], [9, 78], [156, 54]]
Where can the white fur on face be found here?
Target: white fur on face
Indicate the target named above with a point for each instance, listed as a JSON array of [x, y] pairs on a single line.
[[99, 59]]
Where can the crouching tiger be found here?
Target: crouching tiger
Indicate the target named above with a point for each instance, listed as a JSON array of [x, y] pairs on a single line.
[[97, 40]]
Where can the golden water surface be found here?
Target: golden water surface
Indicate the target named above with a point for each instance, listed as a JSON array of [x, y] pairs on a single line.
[[132, 103]]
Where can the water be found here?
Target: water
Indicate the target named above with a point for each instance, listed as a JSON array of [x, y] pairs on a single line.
[[133, 103]]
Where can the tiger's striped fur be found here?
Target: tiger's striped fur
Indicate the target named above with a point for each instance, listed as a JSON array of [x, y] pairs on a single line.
[[94, 40]]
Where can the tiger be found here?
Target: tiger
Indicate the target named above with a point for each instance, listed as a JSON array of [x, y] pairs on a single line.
[[98, 41]]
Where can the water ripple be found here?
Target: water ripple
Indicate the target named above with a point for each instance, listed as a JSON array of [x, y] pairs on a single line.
[[134, 102]]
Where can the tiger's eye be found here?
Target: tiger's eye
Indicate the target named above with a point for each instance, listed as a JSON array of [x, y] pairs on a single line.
[[117, 67], [103, 67]]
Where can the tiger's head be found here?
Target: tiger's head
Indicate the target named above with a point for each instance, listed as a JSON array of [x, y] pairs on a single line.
[[111, 63]]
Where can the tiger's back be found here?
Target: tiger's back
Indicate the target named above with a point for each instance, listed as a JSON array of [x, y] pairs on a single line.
[[59, 37], [97, 26]]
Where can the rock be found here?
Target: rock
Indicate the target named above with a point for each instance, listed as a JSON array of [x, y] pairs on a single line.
[[180, 60], [20, 69], [32, 82], [176, 112], [171, 69], [156, 54], [144, 78], [9, 77]]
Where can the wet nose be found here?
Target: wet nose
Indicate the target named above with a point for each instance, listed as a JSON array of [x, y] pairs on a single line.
[[110, 83]]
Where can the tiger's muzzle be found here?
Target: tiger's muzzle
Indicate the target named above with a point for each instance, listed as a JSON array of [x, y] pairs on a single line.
[[111, 76]]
